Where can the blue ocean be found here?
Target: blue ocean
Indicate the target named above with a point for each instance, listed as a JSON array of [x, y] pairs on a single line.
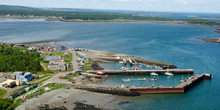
[[165, 42]]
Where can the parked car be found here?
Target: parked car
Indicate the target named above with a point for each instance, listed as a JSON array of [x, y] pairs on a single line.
[[69, 73]]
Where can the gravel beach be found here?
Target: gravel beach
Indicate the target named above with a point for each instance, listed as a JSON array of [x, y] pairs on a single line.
[[68, 97]]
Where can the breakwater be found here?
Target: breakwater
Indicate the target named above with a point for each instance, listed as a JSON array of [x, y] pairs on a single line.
[[143, 72], [108, 90]]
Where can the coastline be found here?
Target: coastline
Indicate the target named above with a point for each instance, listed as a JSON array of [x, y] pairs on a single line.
[[115, 21], [68, 97], [212, 40]]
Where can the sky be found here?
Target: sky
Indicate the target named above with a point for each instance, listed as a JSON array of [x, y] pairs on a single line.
[[205, 6]]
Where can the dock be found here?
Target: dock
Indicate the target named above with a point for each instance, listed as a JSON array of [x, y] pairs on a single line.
[[182, 87], [142, 72]]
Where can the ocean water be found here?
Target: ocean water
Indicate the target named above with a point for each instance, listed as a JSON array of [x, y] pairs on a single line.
[[165, 42]]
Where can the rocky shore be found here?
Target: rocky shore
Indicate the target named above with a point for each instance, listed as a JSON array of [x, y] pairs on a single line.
[[217, 30], [213, 40]]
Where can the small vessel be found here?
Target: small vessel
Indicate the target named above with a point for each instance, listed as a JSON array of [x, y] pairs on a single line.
[[123, 68], [168, 74], [141, 79], [121, 62], [126, 80], [100, 73], [135, 68], [154, 74], [153, 79]]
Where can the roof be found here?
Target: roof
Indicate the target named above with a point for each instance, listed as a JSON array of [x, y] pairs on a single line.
[[49, 58]]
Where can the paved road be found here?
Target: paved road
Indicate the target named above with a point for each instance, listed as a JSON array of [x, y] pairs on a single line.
[[74, 63]]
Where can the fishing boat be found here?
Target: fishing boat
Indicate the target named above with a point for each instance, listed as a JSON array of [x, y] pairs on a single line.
[[126, 80], [141, 79], [154, 74], [153, 79], [135, 68], [121, 62], [100, 73], [123, 68], [168, 74]]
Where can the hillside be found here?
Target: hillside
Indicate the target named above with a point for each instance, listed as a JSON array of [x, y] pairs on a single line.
[[81, 15]]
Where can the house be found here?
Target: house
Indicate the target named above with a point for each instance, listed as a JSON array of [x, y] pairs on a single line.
[[61, 48], [23, 77], [66, 54]]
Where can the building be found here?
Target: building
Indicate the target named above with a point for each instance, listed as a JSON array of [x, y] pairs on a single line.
[[66, 54], [58, 65], [50, 58], [10, 83], [23, 77], [61, 48]]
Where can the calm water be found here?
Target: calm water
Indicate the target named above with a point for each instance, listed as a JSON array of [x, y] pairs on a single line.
[[166, 42]]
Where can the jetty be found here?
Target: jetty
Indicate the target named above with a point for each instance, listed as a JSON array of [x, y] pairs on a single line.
[[142, 72], [182, 87]]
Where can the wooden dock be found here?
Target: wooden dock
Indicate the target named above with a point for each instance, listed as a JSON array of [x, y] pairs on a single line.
[[183, 87], [142, 72]]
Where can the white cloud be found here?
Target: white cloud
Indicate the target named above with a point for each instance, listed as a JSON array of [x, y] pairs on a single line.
[[146, 5]]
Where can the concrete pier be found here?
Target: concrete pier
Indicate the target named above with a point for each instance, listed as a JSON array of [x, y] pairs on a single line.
[[183, 87], [142, 72]]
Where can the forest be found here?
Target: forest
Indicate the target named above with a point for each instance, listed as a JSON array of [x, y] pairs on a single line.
[[18, 59]]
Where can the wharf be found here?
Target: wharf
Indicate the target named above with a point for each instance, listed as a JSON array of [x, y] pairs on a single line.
[[142, 72], [183, 87]]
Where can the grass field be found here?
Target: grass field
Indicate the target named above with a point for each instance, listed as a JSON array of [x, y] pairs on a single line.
[[2, 93]]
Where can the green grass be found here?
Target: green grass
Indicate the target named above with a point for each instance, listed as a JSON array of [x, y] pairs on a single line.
[[86, 66], [2, 93], [54, 86]]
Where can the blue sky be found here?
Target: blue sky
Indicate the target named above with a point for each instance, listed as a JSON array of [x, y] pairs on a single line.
[[210, 6]]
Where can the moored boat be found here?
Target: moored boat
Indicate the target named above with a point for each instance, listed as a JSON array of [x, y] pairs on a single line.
[[154, 74], [168, 74], [153, 79], [126, 80], [100, 73]]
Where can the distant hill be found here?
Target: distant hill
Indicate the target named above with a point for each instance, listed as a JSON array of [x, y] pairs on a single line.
[[71, 15], [10, 7]]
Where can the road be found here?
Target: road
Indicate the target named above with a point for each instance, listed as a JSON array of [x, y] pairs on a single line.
[[56, 79], [75, 65]]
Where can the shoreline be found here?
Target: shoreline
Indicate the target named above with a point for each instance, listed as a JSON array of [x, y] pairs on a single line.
[[68, 98], [211, 40], [97, 55], [113, 21]]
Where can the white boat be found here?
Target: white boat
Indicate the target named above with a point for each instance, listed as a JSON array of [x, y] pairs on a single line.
[[142, 79], [120, 61], [126, 80], [153, 79], [123, 68], [168, 74], [154, 74]]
